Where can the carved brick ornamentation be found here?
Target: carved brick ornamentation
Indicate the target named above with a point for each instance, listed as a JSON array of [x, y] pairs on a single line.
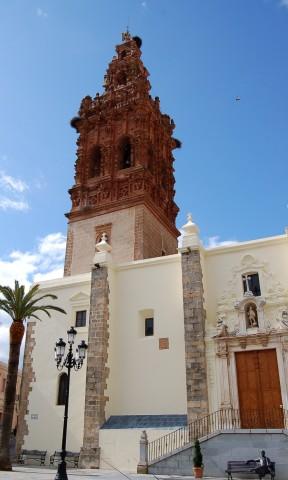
[[125, 145]]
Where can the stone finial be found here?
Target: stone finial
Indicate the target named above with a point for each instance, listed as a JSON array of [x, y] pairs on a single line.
[[103, 249], [103, 245], [190, 237]]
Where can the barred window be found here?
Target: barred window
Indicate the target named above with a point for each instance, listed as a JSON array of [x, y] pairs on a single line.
[[80, 318]]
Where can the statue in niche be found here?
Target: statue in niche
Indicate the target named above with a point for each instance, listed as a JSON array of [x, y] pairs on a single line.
[[251, 315]]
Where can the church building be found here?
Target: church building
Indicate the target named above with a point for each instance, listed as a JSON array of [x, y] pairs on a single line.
[[176, 332]]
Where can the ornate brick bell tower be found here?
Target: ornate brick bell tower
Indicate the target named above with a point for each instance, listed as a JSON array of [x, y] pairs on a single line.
[[124, 181]]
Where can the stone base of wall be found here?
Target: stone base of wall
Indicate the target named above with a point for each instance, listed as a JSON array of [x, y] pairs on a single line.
[[142, 469], [89, 458]]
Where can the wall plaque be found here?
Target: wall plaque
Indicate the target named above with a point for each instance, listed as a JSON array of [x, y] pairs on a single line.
[[163, 343]]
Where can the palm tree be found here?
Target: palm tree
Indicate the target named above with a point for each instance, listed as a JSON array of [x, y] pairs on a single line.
[[19, 306]]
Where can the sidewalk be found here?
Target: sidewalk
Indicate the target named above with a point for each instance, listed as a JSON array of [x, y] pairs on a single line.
[[31, 473]]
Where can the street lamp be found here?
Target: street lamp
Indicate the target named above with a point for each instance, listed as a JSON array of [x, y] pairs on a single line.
[[70, 361]]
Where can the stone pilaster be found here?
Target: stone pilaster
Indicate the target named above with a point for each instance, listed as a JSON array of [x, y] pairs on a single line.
[[28, 377], [69, 252], [97, 371], [194, 325], [222, 354]]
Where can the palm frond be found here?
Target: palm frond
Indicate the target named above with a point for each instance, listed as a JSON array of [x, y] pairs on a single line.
[[20, 305]]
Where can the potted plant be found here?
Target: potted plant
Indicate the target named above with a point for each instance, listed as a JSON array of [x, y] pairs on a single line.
[[198, 461]]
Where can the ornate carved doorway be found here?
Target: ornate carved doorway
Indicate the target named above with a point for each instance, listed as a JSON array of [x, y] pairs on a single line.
[[259, 390]]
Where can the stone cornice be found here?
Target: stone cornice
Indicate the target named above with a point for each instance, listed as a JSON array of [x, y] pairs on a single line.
[[58, 283], [261, 242]]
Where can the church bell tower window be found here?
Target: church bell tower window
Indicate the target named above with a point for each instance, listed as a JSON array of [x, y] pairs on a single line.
[[95, 162], [125, 153]]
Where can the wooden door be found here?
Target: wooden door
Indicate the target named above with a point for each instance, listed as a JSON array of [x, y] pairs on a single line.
[[259, 390]]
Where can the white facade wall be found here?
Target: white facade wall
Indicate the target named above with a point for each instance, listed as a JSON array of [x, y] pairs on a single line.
[[45, 418], [223, 267], [144, 380]]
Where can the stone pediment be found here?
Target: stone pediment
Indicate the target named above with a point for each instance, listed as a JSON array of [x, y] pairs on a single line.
[[259, 301], [80, 297]]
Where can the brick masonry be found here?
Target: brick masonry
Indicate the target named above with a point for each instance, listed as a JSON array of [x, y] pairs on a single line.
[[152, 238], [28, 377], [194, 325], [97, 370]]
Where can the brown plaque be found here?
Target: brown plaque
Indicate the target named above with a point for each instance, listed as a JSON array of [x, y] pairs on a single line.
[[163, 343]]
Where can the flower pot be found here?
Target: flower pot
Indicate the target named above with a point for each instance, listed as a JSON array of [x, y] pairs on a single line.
[[198, 472]]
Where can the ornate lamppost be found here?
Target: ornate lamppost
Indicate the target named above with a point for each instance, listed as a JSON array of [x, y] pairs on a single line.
[[69, 362]]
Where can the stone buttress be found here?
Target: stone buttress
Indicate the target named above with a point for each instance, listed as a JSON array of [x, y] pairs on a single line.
[[97, 370], [194, 323]]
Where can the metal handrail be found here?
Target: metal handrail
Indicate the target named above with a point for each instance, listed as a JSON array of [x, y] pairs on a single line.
[[224, 419]]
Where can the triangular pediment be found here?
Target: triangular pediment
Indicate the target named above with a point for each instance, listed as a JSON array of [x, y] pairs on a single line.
[[80, 297]]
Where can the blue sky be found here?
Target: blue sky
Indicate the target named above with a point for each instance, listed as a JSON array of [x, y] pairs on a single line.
[[231, 172]]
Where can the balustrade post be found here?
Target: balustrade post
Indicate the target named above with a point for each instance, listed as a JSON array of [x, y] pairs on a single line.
[[142, 466]]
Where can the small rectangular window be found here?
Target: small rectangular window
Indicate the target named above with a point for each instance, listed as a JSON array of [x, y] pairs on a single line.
[[80, 318], [149, 327], [251, 283]]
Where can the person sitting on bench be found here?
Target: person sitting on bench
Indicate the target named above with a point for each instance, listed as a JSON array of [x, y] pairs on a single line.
[[264, 464]]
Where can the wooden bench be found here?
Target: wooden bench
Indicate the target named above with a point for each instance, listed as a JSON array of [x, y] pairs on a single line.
[[71, 457], [36, 455], [249, 467]]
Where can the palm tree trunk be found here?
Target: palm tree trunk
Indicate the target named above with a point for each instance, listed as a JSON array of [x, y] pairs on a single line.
[[16, 335]]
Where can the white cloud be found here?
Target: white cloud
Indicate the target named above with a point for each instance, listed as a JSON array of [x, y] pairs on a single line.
[[41, 13], [12, 193], [11, 183], [284, 3], [27, 267], [45, 262], [9, 204], [215, 242], [144, 4]]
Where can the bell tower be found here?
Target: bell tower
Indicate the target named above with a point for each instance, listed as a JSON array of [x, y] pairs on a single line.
[[124, 181]]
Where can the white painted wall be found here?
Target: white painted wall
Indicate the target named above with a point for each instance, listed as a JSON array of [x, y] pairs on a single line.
[[45, 432], [223, 268], [143, 379]]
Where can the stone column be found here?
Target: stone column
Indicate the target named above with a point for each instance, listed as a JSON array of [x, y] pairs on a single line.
[[194, 323], [97, 356]]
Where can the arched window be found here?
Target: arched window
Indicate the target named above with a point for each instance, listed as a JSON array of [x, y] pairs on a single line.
[[126, 157], [62, 388], [95, 162]]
